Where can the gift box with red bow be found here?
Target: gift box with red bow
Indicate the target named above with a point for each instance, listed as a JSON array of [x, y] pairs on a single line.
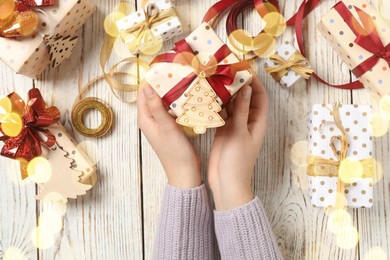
[[198, 77], [32, 135], [52, 40], [361, 37]]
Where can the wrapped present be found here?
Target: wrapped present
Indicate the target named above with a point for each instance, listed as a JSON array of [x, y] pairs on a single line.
[[288, 65], [340, 164], [53, 40], [199, 64], [144, 30], [31, 133], [361, 37]]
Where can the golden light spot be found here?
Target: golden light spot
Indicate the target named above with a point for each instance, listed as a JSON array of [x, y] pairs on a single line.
[[14, 253], [264, 45], [50, 220], [5, 108], [378, 176], [350, 168], [384, 104], [110, 23], [90, 149], [6, 8], [379, 124], [299, 153], [338, 219], [376, 253], [39, 170], [151, 44], [189, 131], [12, 124], [42, 238], [347, 237], [276, 24]]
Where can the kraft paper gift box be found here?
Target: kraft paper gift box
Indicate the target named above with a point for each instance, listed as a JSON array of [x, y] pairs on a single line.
[[164, 27], [343, 40], [30, 56], [322, 127], [204, 42], [289, 76]]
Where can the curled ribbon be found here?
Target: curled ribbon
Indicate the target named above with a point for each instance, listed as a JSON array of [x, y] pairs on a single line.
[[367, 37], [142, 30], [297, 62], [22, 17], [35, 116], [218, 76], [319, 166]]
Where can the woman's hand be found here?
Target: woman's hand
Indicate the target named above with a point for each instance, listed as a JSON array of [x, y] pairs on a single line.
[[236, 147], [179, 159]]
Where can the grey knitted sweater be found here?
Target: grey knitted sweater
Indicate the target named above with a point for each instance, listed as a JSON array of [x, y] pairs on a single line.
[[186, 229]]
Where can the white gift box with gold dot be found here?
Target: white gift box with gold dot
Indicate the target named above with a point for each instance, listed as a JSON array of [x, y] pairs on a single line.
[[355, 120]]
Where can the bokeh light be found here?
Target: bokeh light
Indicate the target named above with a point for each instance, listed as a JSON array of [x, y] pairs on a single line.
[[378, 175], [110, 23], [347, 237], [276, 24], [39, 170], [6, 8], [338, 219], [51, 220], [14, 253], [90, 149], [264, 45], [299, 153], [384, 105], [12, 124], [376, 253], [42, 238], [350, 168], [5, 108], [151, 44], [379, 124]]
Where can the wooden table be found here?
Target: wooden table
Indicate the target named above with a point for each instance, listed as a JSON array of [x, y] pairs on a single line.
[[118, 218]]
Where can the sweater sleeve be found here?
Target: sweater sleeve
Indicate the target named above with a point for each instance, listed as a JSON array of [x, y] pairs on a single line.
[[244, 233], [185, 228]]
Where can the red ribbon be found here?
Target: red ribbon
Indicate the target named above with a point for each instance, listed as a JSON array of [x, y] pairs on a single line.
[[35, 115], [367, 38], [219, 76], [36, 3]]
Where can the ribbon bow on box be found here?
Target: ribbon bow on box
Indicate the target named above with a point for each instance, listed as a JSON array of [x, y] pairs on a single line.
[[218, 76], [367, 37], [297, 62], [23, 21], [26, 144], [319, 166]]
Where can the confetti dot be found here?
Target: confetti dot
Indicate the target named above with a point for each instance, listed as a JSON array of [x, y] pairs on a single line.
[[341, 33], [173, 105], [380, 81], [384, 68], [209, 42], [331, 20], [195, 38], [364, 5], [351, 45], [242, 81], [383, 29], [170, 75], [361, 57]]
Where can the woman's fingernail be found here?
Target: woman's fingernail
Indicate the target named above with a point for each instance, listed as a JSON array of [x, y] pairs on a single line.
[[246, 93], [149, 93]]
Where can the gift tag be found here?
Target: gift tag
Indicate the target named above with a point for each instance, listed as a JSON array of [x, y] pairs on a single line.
[[60, 48]]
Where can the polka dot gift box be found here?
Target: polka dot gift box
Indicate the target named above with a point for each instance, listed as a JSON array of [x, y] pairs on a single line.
[[287, 65], [340, 164], [367, 57], [30, 56], [143, 34], [198, 60]]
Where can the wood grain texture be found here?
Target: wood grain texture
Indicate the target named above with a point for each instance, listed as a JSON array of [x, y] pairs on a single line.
[[119, 217]]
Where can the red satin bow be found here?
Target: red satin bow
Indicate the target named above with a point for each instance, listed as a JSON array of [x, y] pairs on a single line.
[[367, 38], [38, 2], [219, 76], [35, 115]]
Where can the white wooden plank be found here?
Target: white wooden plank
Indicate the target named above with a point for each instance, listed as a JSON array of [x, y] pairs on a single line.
[[17, 197]]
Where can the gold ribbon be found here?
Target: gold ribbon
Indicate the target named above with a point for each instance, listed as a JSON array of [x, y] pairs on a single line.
[[142, 30], [297, 62], [318, 166]]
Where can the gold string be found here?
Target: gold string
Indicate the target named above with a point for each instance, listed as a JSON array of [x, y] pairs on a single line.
[[297, 62]]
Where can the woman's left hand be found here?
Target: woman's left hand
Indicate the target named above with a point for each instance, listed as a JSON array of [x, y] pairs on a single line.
[[178, 157]]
